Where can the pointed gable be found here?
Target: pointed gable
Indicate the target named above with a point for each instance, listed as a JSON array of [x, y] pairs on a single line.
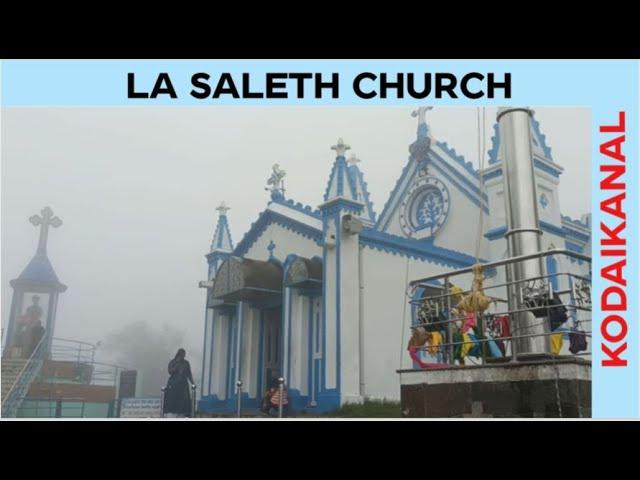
[[341, 183], [433, 177], [361, 191], [222, 236]]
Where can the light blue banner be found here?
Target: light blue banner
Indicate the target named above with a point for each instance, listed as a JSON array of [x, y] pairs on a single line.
[[607, 87]]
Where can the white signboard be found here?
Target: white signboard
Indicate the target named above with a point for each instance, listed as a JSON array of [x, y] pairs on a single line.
[[140, 407]]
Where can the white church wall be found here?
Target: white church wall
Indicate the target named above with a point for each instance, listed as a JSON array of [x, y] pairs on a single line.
[[386, 330], [460, 228], [286, 242]]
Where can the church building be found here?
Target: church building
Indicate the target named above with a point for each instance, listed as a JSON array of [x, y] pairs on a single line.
[[318, 295]]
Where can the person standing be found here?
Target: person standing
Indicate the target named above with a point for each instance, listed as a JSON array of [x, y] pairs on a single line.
[[177, 398]]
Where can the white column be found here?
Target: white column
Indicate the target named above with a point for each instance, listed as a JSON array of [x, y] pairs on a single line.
[[330, 313], [349, 296], [219, 366], [250, 351], [205, 378], [286, 315], [299, 342], [239, 320]]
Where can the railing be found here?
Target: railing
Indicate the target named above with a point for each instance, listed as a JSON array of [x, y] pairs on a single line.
[[63, 349], [23, 380], [83, 354], [519, 301]]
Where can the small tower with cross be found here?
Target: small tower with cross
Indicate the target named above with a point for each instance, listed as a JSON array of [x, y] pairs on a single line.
[[35, 297]]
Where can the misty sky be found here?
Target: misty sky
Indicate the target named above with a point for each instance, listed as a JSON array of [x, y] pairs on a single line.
[[137, 189]]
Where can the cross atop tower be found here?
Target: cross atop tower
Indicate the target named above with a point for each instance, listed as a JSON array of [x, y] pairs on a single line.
[[420, 112], [223, 209], [47, 219], [340, 147], [353, 160]]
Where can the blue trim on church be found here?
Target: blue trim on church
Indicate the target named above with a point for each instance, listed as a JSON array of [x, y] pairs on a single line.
[[418, 249], [358, 178], [542, 141], [264, 219], [306, 209], [338, 173], [563, 232], [460, 181], [468, 166]]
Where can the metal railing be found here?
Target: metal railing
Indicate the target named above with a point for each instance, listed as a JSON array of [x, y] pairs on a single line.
[[64, 349], [533, 297], [25, 377]]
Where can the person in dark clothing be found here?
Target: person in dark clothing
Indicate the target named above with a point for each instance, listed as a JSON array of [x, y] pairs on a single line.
[[177, 398]]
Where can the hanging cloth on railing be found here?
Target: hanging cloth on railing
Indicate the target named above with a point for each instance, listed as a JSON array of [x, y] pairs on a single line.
[[577, 341], [494, 349], [556, 343]]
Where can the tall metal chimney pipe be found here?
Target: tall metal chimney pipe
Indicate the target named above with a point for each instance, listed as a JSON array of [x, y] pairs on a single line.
[[523, 226]]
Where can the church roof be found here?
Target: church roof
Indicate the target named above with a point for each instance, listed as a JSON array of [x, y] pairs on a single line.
[[310, 226], [39, 273]]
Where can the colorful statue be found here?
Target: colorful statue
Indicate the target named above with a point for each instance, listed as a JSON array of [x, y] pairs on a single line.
[[475, 301]]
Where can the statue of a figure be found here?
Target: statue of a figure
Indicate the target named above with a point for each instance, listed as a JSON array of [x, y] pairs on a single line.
[[30, 329], [275, 183]]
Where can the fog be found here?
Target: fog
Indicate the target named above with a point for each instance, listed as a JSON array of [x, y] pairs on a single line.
[[147, 348], [137, 189]]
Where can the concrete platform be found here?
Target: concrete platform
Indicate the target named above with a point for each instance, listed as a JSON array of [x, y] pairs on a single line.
[[559, 387]]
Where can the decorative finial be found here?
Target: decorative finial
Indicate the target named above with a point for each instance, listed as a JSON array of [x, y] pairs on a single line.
[[340, 147], [47, 219], [271, 247], [353, 159], [275, 182], [420, 112], [223, 209]]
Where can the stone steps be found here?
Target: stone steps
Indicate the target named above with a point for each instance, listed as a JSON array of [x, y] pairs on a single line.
[[10, 371]]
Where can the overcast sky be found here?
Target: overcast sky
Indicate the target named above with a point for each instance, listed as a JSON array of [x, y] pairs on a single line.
[[137, 189]]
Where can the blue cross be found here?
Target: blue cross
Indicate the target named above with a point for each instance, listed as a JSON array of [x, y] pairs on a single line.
[[271, 247], [544, 201]]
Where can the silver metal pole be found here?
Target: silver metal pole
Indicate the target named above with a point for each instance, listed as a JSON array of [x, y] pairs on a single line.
[[162, 393], [281, 390], [239, 399], [449, 324], [193, 401], [521, 211]]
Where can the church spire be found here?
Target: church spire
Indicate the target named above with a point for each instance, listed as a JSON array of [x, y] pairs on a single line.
[[222, 236], [362, 194], [341, 184]]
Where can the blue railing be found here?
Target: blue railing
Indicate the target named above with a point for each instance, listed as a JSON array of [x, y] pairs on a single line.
[[23, 380]]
